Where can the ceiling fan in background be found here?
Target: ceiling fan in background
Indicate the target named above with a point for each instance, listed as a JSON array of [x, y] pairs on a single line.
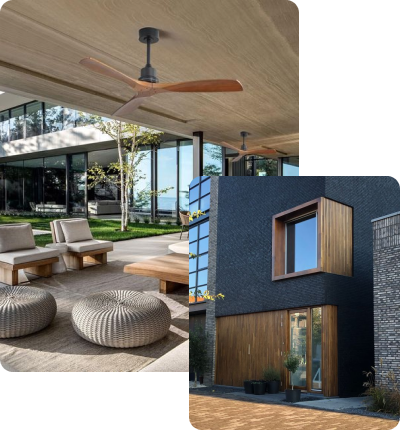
[[243, 151], [147, 85]]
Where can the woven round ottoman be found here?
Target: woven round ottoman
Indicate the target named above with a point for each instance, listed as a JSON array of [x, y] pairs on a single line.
[[121, 319], [25, 310]]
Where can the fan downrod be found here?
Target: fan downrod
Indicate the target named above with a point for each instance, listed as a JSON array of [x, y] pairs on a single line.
[[244, 134], [149, 35]]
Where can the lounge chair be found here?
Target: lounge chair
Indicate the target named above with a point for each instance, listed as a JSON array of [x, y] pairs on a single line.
[[18, 251], [184, 216], [76, 234]]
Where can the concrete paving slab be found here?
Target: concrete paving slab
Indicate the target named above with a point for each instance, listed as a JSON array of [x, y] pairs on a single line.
[[176, 360], [339, 404]]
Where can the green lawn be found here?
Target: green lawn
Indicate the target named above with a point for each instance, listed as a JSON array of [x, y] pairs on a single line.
[[101, 229]]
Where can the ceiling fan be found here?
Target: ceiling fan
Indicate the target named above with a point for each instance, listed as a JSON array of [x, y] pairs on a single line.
[[147, 85], [243, 151]]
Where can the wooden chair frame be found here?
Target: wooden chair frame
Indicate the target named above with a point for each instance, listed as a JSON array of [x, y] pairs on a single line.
[[9, 272]]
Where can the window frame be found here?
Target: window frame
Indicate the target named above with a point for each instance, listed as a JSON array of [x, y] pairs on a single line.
[[279, 251]]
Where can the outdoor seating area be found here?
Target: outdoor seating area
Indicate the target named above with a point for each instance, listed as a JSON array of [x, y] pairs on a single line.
[[67, 319]]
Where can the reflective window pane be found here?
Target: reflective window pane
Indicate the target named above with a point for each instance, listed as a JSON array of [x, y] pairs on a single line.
[[33, 184], [203, 245], [212, 159], [301, 244], [192, 264], [55, 185], [34, 119], [298, 337], [77, 184], [193, 233], [4, 127], [205, 187], [192, 279], [141, 197], [316, 342], [205, 203], [167, 177], [53, 118], [192, 295], [193, 248], [194, 193], [194, 206], [203, 261], [200, 292], [14, 174], [17, 123], [185, 173], [290, 166], [204, 229], [69, 116]]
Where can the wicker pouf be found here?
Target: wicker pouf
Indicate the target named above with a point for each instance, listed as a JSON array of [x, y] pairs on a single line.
[[121, 319], [25, 310]]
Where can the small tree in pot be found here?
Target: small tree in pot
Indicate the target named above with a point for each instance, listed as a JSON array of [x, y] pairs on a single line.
[[198, 358], [292, 363], [273, 378]]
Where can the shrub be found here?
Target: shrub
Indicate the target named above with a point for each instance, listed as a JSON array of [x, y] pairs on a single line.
[[146, 220], [198, 358], [169, 222], [136, 219], [384, 392], [157, 220], [271, 374]]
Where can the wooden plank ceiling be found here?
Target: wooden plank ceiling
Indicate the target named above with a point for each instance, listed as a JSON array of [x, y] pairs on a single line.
[[254, 41]]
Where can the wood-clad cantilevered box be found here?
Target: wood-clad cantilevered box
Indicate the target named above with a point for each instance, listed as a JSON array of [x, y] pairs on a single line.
[[334, 238]]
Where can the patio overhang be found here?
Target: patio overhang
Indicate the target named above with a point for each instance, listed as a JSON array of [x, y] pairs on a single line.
[[256, 42]]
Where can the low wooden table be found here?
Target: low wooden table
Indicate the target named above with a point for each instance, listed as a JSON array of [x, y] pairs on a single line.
[[172, 270]]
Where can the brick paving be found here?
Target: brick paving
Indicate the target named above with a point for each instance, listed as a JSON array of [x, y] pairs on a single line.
[[212, 413]]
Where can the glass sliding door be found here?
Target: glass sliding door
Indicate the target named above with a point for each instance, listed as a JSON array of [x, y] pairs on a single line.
[[316, 347], [167, 204], [77, 184], [33, 184], [14, 173], [298, 346], [185, 173], [55, 177]]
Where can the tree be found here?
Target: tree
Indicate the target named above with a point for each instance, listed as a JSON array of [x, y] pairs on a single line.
[[125, 174], [198, 358]]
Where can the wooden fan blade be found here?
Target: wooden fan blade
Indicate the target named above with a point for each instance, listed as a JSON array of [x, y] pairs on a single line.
[[99, 67], [129, 106], [239, 157], [228, 145], [209, 86], [256, 151]]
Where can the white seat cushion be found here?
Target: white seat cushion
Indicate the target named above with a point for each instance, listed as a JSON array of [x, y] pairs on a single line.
[[28, 255], [89, 245]]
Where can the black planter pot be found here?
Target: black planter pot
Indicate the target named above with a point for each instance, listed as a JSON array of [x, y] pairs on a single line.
[[273, 387], [248, 387], [201, 379], [293, 396], [259, 388]]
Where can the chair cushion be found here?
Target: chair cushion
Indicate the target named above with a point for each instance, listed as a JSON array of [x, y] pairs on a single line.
[[89, 245], [76, 231], [58, 229], [16, 236], [28, 255]]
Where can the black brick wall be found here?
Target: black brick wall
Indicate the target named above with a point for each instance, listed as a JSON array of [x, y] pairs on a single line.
[[243, 257], [387, 296]]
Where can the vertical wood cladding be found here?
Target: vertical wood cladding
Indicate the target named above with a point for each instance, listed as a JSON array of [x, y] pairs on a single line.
[[246, 344], [336, 237]]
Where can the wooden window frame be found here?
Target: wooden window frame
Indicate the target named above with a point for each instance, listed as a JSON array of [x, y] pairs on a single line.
[[279, 222]]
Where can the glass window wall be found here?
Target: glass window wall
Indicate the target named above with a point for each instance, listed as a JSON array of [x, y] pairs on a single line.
[[14, 174], [17, 123], [53, 118], [140, 193], [290, 166], [33, 185], [167, 177], [54, 185], [4, 126], [316, 342], [185, 173], [77, 184], [212, 159], [34, 119]]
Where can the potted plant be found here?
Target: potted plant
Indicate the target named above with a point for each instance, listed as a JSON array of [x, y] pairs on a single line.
[[198, 358], [292, 363], [259, 387], [273, 378], [248, 386]]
